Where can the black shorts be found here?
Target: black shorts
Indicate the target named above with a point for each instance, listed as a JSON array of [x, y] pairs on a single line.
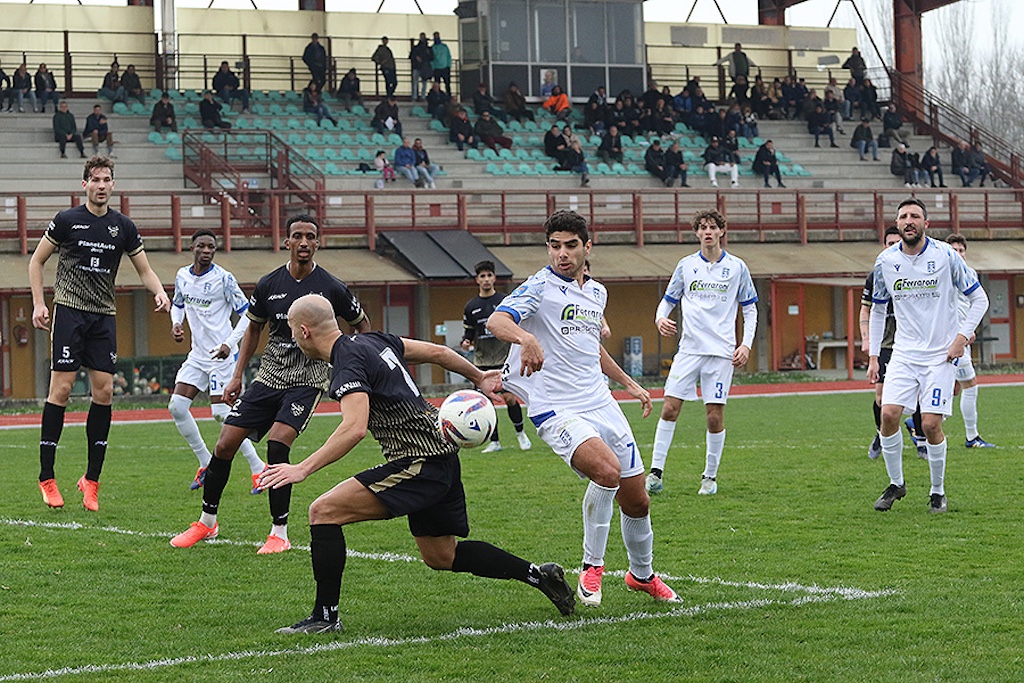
[[426, 490], [884, 356], [259, 407], [80, 338]]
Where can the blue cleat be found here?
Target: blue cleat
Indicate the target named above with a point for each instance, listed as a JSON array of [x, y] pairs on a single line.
[[914, 436], [978, 442], [199, 480], [875, 449]]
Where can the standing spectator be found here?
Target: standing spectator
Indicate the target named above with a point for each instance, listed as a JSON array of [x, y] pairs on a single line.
[[820, 123], [385, 117], [348, 91], [611, 146], [422, 58], [65, 130], [461, 130], [112, 88], [383, 164], [489, 132], [427, 170], [228, 87], [385, 61], [209, 112], [442, 63], [931, 165], [576, 161], [717, 158], [675, 167], [437, 102], [902, 165], [960, 161], [22, 87], [855, 63], [555, 145], [766, 164], [132, 85], [853, 97], [313, 102], [654, 161], [863, 140], [46, 88], [558, 104], [739, 63], [315, 59], [869, 100], [515, 104], [891, 124], [163, 114], [405, 163], [979, 166], [482, 101], [97, 131]]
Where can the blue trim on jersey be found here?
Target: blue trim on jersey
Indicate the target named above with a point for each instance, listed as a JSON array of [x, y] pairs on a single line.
[[538, 420], [973, 287], [879, 301], [511, 311], [670, 299], [177, 305], [193, 272], [243, 309], [701, 254], [748, 302], [562, 277]]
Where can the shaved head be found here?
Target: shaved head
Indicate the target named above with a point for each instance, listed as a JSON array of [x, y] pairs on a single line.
[[314, 325]]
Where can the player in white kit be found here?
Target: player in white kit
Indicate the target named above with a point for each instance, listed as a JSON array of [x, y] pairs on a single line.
[[709, 286], [205, 294], [923, 278], [555, 366]]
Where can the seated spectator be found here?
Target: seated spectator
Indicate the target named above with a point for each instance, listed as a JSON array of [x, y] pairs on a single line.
[[490, 132], [760, 102], [600, 98], [6, 92], [46, 89], [716, 126], [863, 140], [633, 114], [766, 164], [132, 85], [903, 166], [593, 118], [853, 98], [209, 112], [791, 98], [654, 161], [733, 118], [702, 120], [348, 90], [382, 164], [820, 123], [960, 161], [931, 165], [610, 150], [739, 92], [65, 130], [832, 107], [748, 127], [869, 99], [716, 158], [405, 163], [163, 114], [437, 102], [515, 104], [558, 104], [112, 89], [808, 104], [228, 87], [576, 161], [660, 119], [427, 170], [731, 143], [555, 145], [97, 130], [777, 109], [461, 130], [891, 124], [313, 103], [837, 95], [568, 136], [482, 101], [21, 85], [649, 97], [385, 117], [675, 167], [979, 166], [616, 116]]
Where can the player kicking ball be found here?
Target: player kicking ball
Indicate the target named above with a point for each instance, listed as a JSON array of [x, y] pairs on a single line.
[[709, 285]]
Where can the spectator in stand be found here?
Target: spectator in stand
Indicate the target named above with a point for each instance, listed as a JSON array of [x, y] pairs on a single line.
[[600, 97], [738, 92], [650, 97], [716, 125], [421, 59], [654, 161], [837, 94], [869, 99], [558, 104], [315, 59], [385, 117], [702, 121], [515, 104], [863, 140], [739, 63], [931, 165], [555, 146], [385, 61], [442, 63], [348, 90], [437, 102], [716, 158], [675, 167], [112, 89], [65, 130], [405, 163], [832, 107], [979, 166], [576, 161], [808, 104], [6, 91], [482, 101], [820, 123], [855, 63], [209, 112], [731, 144], [760, 101], [791, 100], [902, 165], [617, 117], [568, 136], [960, 160], [802, 93], [593, 118], [766, 164], [46, 89], [97, 130], [228, 87], [461, 130], [490, 132], [891, 124], [853, 98], [610, 150], [748, 127], [427, 170], [313, 103], [21, 85], [660, 119], [632, 113], [777, 109], [733, 118], [383, 164], [163, 114], [132, 85]]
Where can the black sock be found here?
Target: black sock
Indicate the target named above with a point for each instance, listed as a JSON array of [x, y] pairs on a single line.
[[483, 559], [97, 429], [327, 547], [217, 473], [515, 413], [49, 435], [917, 422], [280, 499], [656, 471], [878, 414]]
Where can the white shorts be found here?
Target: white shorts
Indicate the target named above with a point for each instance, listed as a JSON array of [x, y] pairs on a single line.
[[565, 431], [207, 375], [965, 367], [714, 373], [910, 384]]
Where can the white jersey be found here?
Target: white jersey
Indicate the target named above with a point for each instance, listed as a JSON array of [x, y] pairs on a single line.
[[566, 320], [710, 295], [207, 301], [924, 290]]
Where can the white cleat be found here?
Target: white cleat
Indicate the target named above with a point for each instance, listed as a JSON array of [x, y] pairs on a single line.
[[653, 484], [492, 447], [524, 441], [708, 486]]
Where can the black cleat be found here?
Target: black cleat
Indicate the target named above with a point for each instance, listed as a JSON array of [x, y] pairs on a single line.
[[890, 496], [937, 504], [553, 584], [312, 624]]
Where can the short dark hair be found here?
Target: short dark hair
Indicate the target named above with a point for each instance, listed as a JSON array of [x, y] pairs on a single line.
[[97, 161], [708, 214], [483, 266], [567, 221], [915, 202], [203, 232], [957, 239], [302, 218], [891, 230]]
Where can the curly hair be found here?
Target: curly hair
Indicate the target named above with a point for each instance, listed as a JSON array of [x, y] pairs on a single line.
[[709, 214]]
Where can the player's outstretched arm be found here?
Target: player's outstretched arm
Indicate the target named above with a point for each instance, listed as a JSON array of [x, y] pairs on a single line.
[[151, 281], [417, 351], [40, 313], [617, 374], [505, 328]]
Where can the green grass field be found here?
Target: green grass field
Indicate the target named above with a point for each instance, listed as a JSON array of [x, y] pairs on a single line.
[[788, 574]]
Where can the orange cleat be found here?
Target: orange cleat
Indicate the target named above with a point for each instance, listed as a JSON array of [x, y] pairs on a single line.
[[256, 481], [274, 544], [196, 532], [51, 494], [656, 588], [90, 493]]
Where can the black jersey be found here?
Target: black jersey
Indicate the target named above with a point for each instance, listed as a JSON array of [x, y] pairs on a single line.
[[89, 253], [489, 351], [283, 364], [866, 299], [401, 421]]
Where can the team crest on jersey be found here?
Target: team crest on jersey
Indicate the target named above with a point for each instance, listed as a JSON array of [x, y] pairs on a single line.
[[113, 230], [930, 267], [298, 409], [207, 287], [725, 272]]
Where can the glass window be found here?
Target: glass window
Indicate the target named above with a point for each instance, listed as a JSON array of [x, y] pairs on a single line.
[[586, 33], [624, 33], [509, 38], [548, 41]]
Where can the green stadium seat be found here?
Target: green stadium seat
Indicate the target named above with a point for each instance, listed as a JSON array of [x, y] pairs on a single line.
[[139, 109], [157, 138], [314, 154], [543, 169], [494, 169], [523, 154], [394, 139], [602, 169], [358, 110], [377, 139], [506, 154], [436, 125], [364, 154], [331, 154], [173, 138], [534, 141], [538, 154], [526, 169], [343, 138], [122, 109], [514, 126], [619, 169], [519, 141], [490, 154], [511, 169], [531, 127], [362, 139], [346, 154], [473, 154], [295, 138], [173, 153], [800, 170], [419, 112]]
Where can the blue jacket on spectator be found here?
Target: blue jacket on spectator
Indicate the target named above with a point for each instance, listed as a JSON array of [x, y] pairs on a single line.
[[405, 156]]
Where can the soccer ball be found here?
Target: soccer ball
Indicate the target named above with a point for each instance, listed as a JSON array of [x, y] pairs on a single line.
[[467, 418]]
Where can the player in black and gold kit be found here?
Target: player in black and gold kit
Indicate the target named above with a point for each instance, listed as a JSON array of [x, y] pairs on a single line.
[[489, 352], [288, 385], [421, 478], [90, 240]]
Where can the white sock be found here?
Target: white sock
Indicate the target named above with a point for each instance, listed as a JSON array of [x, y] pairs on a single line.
[[597, 518], [662, 441], [638, 538], [937, 465], [208, 520], [892, 453], [715, 443], [186, 424], [279, 530], [969, 409]]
